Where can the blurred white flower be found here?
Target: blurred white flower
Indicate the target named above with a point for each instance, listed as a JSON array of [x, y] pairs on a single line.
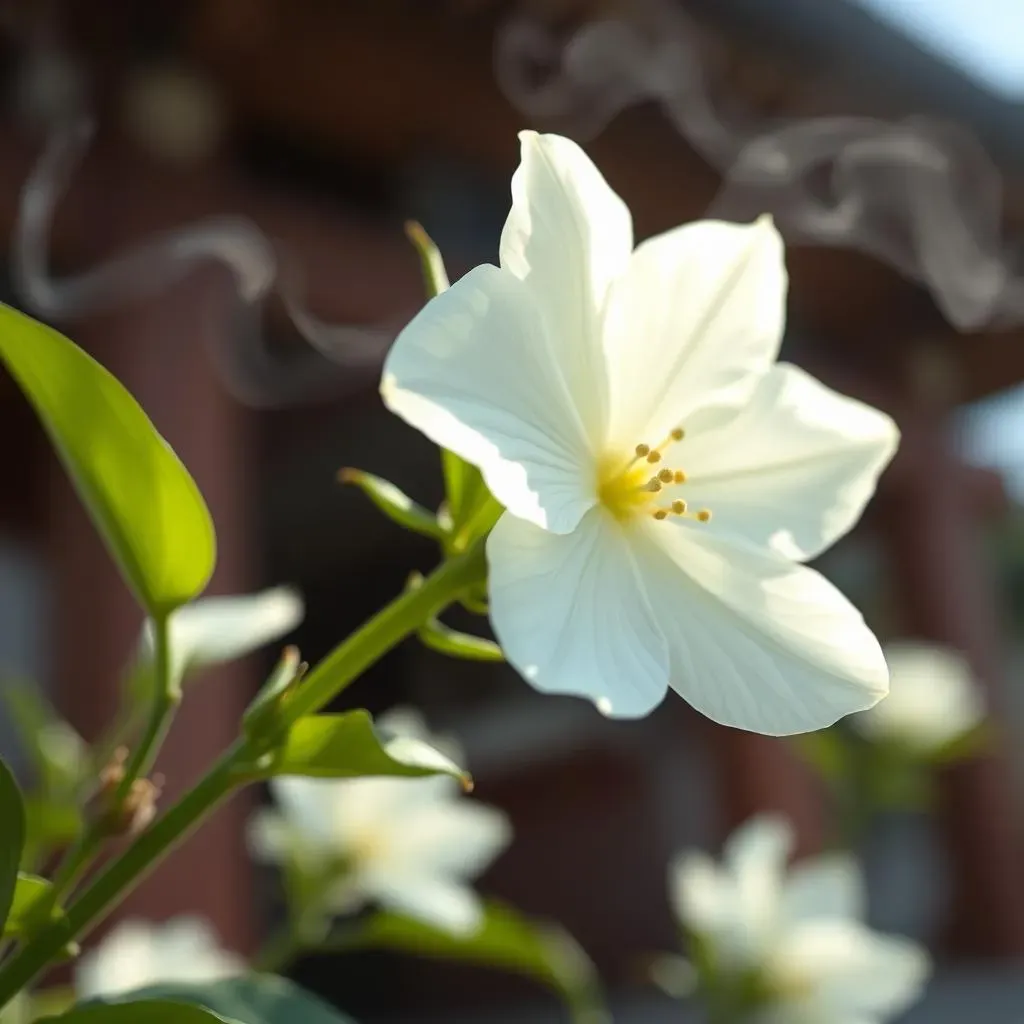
[[137, 953], [799, 932], [217, 629], [413, 845], [663, 476], [933, 699]]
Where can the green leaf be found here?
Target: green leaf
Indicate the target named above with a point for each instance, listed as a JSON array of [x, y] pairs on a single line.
[[31, 906], [12, 838], [438, 637], [141, 498], [253, 999], [260, 720], [507, 940], [435, 277], [395, 504], [346, 746], [135, 1010]]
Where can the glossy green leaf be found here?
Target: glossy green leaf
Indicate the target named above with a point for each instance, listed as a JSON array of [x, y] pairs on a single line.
[[506, 940], [395, 504], [141, 498], [12, 838], [345, 746], [31, 906], [438, 637], [252, 999], [140, 1009]]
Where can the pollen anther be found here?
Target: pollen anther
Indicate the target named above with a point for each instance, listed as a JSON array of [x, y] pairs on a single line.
[[642, 450], [704, 515], [679, 507], [654, 456], [666, 476], [660, 514], [679, 477]]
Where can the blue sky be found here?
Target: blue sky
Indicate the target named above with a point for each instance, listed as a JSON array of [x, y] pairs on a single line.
[[985, 38]]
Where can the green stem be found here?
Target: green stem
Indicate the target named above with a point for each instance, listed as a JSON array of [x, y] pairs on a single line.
[[122, 874], [403, 616], [74, 864], [166, 698]]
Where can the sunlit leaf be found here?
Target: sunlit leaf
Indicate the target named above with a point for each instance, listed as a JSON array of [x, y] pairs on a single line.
[[506, 940], [395, 504], [31, 906], [347, 745], [12, 838], [141, 498], [438, 637]]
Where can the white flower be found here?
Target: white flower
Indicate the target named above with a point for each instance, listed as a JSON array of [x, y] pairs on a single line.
[[800, 932], [933, 699], [218, 629], [136, 954], [410, 844], [662, 475]]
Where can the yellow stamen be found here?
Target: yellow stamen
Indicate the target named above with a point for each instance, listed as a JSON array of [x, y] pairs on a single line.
[[624, 488]]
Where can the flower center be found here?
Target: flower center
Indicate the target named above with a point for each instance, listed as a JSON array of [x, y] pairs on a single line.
[[640, 485], [366, 847]]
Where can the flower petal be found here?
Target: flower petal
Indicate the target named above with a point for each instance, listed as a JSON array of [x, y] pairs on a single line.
[[701, 896], [689, 328], [435, 901], [793, 469], [756, 856], [477, 372], [756, 642], [852, 971], [457, 838], [933, 699], [568, 236], [571, 615], [218, 629], [829, 886]]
